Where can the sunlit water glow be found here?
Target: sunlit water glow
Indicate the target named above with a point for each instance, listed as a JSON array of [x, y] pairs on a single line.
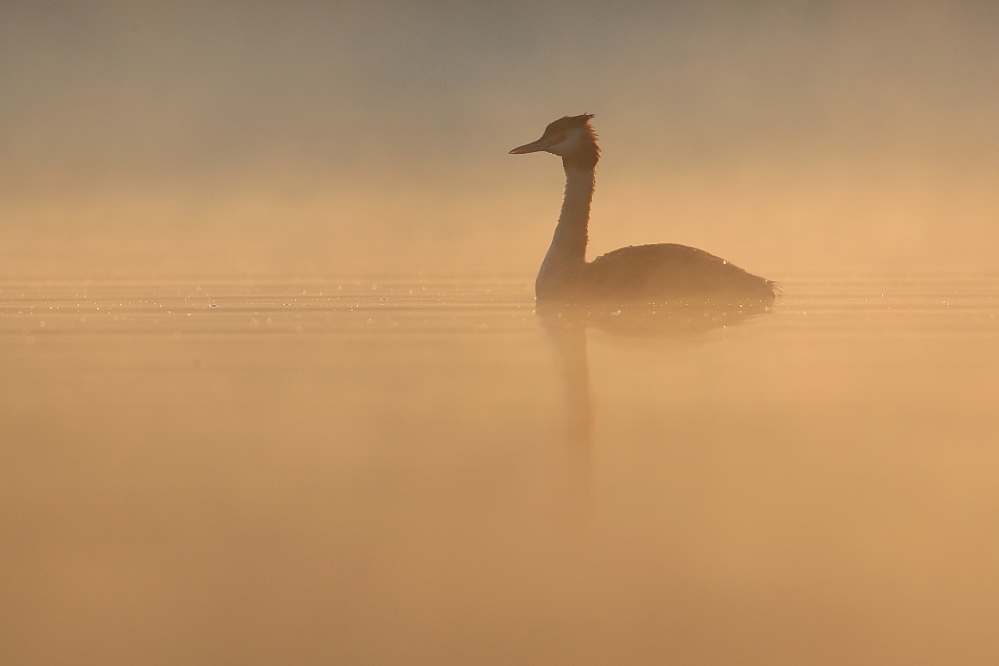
[[418, 471]]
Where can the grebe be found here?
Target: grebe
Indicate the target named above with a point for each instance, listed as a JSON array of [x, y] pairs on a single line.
[[666, 273]]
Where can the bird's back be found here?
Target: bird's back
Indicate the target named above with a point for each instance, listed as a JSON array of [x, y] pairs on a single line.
[[669, 273]]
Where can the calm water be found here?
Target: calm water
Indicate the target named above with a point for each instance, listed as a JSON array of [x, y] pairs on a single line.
[[425, 472]]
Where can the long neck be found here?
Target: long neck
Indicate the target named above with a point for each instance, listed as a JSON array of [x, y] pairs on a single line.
[[567, 253]]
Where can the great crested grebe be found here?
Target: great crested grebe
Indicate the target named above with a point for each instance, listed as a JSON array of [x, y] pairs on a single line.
[[662, 274]]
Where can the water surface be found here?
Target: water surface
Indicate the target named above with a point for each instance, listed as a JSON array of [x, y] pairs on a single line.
[[417, 471]]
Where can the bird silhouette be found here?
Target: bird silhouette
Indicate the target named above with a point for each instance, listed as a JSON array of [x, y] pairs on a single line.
[[666, 274]]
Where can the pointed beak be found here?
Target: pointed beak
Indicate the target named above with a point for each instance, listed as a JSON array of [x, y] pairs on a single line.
[[533, 147]]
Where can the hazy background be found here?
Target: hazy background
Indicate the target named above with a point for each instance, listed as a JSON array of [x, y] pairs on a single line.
[[256, 139]]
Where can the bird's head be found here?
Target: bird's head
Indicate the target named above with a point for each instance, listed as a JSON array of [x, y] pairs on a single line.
[[570, 137]]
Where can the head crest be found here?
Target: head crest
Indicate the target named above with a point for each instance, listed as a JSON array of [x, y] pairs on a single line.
[[569, 122]]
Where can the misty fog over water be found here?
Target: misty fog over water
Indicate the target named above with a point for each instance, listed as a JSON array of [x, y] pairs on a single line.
[[275, 387]]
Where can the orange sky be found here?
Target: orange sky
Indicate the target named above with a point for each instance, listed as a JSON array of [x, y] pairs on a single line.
[[304, 139]]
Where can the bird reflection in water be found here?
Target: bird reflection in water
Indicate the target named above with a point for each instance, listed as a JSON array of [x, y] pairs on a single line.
[[566, 325]]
